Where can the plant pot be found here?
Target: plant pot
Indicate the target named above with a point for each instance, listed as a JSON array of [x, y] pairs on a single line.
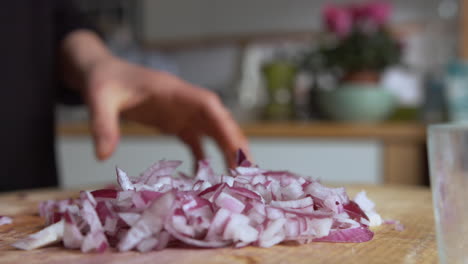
[[364, 76], [357, 102]]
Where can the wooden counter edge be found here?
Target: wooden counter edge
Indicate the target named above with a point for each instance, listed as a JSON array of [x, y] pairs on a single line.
[[382, 131]]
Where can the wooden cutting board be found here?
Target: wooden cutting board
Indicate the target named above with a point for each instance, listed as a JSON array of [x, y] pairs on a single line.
[[411, 205]]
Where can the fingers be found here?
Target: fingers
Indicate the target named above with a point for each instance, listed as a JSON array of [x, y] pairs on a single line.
[[193, 141], [227, 134], [104, 123]]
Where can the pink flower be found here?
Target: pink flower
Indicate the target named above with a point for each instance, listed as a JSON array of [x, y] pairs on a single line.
[[376, 11], [338, 19], [358, 11]]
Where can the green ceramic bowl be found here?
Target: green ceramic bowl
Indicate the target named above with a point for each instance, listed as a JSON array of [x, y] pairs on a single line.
[[357, 102]]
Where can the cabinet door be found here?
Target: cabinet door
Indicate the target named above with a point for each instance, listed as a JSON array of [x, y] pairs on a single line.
[[337, 161]]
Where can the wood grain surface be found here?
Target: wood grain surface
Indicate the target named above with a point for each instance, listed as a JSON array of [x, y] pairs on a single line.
[[411, 205], [394, 131]]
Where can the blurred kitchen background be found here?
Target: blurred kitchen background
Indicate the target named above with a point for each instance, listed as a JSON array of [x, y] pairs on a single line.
[[336, 90]]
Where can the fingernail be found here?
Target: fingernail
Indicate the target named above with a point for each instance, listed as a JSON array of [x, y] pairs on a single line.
[[102, 147]]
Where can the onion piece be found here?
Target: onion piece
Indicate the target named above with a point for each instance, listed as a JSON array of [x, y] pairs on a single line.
[[195, 242], [72, 237], [368, 207], [49, 235], [397, 225], [123, 180], [299, 203], [217, 224], [273, 233], [230, 203], [354, 211], [90, 216], [353, 235], [151, 222], [205, 173], [105, 193], [159, 169], [147, 244], [241, 159], [239, 230], [130, 218], [94, 241], [5, 220]]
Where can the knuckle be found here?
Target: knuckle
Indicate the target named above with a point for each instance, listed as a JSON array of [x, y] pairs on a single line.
[[211, 101], [212, 98], [97, 87]]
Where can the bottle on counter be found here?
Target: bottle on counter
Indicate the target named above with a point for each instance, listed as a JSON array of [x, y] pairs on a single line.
[[279, 76]]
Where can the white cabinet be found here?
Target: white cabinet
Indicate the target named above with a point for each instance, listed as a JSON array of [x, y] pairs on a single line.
[[334, 161]]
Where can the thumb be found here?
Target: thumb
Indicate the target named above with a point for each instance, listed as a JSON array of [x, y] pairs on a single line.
[[104, 125]]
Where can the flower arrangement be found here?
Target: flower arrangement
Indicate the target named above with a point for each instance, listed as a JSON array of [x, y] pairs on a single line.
[[357, 41]]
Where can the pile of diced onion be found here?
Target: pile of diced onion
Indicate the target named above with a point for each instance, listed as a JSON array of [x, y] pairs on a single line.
[[248, 206]]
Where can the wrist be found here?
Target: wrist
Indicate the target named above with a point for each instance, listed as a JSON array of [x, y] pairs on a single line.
[[80, 53]]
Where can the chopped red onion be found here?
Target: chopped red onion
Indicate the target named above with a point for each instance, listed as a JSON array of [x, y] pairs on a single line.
[[397, 225], [105, 193], [49, 235], [355, 235], [368, 208], [250, 206], [5, 220], [124, 181]]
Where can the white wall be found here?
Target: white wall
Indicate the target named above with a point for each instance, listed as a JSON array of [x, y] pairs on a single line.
[[341, 161], [173, 19], [216, 68]]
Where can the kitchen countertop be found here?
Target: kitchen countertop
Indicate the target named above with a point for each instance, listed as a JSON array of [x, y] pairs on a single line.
[[411, 205]]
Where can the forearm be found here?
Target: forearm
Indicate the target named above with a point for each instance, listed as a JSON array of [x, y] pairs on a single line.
[[79, 52]]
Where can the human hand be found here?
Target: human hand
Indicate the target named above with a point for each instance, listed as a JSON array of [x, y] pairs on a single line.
[[116, 88]]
